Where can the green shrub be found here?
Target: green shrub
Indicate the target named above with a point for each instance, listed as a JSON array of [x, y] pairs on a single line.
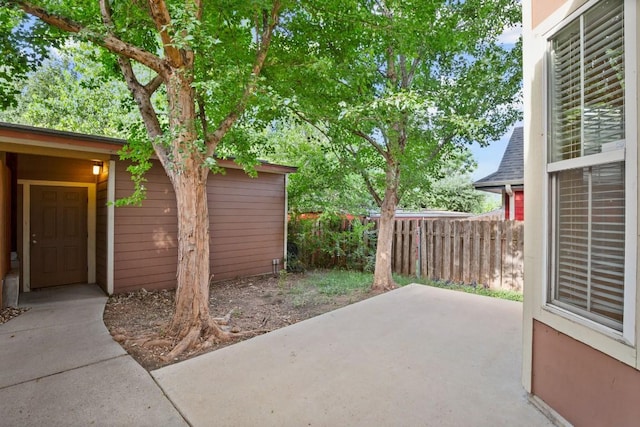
[[330, 241]]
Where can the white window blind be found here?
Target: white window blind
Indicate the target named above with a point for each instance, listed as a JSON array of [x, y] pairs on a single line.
[[587, 110], [588, 186]]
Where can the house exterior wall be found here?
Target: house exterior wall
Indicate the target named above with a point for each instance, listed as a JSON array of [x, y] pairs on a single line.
[[586, 373], [518, 199], [584, 385], [247, 223], [145, 245], [543, 9], [247, 228]]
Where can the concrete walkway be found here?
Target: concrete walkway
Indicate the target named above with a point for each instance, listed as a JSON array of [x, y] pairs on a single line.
[[60, 367], [417, 356]]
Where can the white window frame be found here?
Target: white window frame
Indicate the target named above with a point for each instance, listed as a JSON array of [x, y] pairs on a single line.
[[628, 152]]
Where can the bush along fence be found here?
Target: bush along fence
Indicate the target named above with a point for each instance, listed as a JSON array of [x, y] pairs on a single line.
[[330, 241], [487, 253]]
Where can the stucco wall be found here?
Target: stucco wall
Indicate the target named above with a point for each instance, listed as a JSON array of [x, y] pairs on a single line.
[[587, 387]]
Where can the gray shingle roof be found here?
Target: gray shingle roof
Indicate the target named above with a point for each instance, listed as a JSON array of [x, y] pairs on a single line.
[[511, 170]]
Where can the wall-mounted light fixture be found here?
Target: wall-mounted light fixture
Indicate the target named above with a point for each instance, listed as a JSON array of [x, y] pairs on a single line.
[[97, 167]]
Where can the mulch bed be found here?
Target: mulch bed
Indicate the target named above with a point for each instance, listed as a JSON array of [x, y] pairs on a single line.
[[138, 320], [9, 313]]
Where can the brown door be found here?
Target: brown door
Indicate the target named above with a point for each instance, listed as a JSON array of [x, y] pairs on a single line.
[[58, 236]]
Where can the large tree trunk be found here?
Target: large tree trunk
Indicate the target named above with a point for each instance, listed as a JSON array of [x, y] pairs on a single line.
[[382, 277], [192, 290], [191, 321]]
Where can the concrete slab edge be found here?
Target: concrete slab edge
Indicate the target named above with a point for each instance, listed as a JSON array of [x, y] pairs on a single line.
[[164, 393], [549, 412], [66, 370]]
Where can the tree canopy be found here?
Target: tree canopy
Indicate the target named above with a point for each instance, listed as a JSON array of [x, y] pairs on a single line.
[[398, 86], [324, 183], [70, 92]]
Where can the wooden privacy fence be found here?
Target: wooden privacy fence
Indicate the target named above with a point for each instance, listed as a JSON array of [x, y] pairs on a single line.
[[489, 253]]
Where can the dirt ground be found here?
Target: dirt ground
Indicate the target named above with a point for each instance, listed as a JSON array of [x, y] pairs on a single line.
[[258, 304]]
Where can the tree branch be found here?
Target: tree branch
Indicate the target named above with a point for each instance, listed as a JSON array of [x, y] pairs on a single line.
[[199, 9], [412, 70], [107, 20], [142, 96], [371, 141], [162, 19], [367, 180], [154, 84], [110, 42], [261, 54], [202, 113], [310, 122]]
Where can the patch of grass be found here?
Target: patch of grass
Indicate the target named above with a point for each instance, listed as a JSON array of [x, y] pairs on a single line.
[[471, 289], [339, 282], [343, 282]]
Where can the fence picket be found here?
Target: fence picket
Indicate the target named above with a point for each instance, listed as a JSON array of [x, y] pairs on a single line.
[[475, 252], [430, 248], [466, 251], [406, 246]]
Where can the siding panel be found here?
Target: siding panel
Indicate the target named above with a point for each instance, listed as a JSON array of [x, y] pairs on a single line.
[[252, 212], [247, 228]]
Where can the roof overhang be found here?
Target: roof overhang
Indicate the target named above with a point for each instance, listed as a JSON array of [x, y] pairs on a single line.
[[498, 186], [261, 167], [32, 140], [24, 139]]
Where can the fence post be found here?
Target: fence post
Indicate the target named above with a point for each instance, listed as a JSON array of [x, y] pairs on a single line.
[[476, 230], [456, 275], [438, 232], [507, 256]]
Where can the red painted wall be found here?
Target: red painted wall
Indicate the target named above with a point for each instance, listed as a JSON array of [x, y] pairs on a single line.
[[519, 199], [518, 195]]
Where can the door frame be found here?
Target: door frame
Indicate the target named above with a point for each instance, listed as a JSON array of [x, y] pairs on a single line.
[[26, 226]]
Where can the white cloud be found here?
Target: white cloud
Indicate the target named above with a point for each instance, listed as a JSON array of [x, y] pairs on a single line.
[[510, 35]]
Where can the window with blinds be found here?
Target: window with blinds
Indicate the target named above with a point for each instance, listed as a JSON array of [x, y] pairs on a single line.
[[586, 165]]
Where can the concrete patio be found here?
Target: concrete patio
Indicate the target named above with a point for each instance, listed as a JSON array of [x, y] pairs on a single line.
[[417, 356], [60, 367]]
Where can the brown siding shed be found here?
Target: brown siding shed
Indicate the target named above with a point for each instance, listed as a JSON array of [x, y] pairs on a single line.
[[247, 228]]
